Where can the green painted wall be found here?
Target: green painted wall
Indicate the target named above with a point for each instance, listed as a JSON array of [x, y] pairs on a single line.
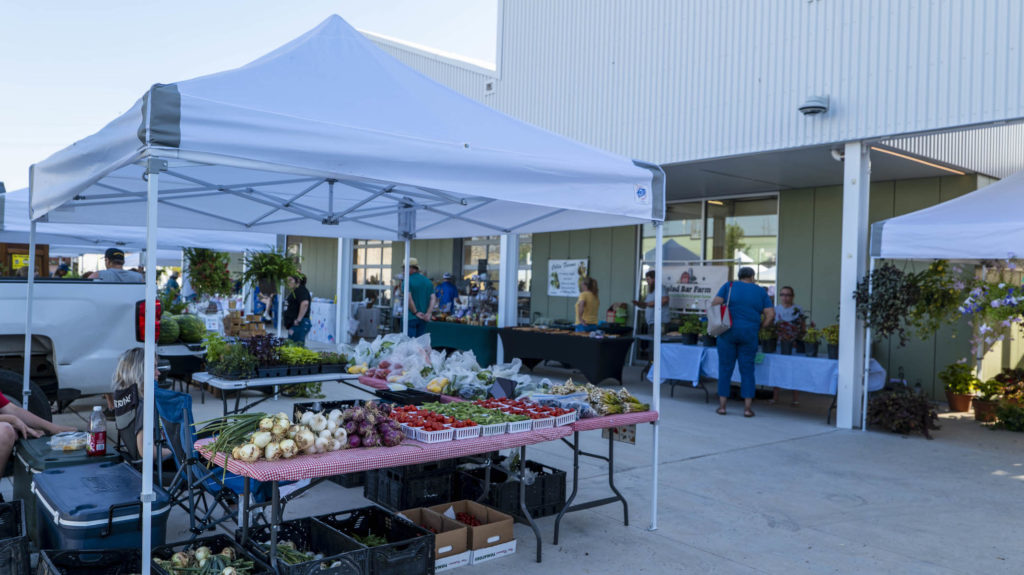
[[613, 262], [320, 264], [434, 257], [810, 222]]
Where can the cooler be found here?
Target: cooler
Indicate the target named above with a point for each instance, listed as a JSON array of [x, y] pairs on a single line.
[[34, 456], [95, 507]]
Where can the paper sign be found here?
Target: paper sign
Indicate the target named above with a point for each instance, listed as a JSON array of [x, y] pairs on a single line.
[[564, 277], [623, 433], [693, 287], [19, 261]]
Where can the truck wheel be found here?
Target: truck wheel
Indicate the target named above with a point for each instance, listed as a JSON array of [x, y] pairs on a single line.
[[11, 385]]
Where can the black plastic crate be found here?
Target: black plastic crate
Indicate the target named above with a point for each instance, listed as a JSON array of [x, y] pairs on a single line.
[[409, 549], [312, 535], [216, 543], [546, 496], [408, 396], [349, 479], [99, 562], [14, 556], [324, 406], [397, 493], [420, 469]]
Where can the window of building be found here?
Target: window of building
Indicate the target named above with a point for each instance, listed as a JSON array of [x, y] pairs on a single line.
[[371, 271]]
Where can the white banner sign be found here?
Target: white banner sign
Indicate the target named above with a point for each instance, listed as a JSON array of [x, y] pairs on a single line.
[[692, 287], [564, 277]]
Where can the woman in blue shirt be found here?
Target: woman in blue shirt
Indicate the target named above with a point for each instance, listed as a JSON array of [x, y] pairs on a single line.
[[750, 309]]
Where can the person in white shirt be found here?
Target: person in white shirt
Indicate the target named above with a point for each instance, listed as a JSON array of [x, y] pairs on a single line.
[[787, 312]]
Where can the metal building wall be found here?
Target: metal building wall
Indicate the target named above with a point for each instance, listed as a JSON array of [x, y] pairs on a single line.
[[671, 81], [464, 78]]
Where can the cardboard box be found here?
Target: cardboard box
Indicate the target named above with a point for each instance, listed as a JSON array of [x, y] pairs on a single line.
[[450, 537], [496, 529], [493, 552]]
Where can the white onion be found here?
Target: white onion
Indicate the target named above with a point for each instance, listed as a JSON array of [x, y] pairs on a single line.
[[335, 415], [281, 427], [282, 415], [288, 448], [294, 430], [324, 434], [304, 438], [235, 452], [272, 452], [306, 418], [262, 438], [249, 453], [267, 423], [332, 425], [336, 445], [321, 445], [319, 423]]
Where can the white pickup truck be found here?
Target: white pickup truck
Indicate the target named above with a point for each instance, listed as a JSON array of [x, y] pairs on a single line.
[[80, 328]]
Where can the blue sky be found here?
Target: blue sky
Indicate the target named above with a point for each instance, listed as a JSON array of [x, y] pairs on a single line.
[[67, 67]]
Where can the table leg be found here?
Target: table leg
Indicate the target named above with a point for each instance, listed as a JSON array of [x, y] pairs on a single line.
[[522, 500], [275, 521], [224, 400], [611, 478], [575, 480], [247, 489]]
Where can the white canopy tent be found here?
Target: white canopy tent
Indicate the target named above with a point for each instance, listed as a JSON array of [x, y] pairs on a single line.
[[330, 136]]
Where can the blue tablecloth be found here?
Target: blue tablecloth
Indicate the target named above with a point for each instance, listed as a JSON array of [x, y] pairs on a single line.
[[799, 372]]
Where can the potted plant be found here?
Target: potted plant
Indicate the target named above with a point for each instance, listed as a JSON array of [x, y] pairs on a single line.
[[690, 329], [332, 362], [707, 339], [267, 270], [902, 411], [811, 338], [831, 336], [769, 338], [207, 272], [959, 381], [235, 363], [1012, 381], [987, 400], [265, 348], [788, 333]]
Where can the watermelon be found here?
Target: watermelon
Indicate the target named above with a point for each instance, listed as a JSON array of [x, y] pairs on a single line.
[[168, 329], [191, 328]]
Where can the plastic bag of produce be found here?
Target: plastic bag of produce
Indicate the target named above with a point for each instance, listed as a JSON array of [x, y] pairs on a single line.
[[529, 387], [577, 401], [473, 389], [463, 360], [507, 370]]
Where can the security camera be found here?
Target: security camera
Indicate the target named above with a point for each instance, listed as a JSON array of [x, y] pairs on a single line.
[[814, 105], [838, 154]]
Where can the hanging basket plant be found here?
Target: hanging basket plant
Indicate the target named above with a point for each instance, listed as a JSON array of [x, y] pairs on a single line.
[[208, 271], [268, 269], [884, 307]]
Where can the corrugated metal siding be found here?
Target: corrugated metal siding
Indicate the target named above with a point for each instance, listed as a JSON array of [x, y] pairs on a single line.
[[996, 151], [672, 81], [463, 78]]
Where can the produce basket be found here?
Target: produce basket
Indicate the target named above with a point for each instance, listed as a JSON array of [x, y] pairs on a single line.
[[409, 548], [396, 492], [311, 535], [435, 436], [546, 496], [520, 426], [493, 429], [14, 556], [466, 432], [215, 543], [100, 562], [566, 419], [545, 423]]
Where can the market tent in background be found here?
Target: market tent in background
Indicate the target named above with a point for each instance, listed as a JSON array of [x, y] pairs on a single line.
[[330, 136], [984, 224], [674, 252], [84, 238]]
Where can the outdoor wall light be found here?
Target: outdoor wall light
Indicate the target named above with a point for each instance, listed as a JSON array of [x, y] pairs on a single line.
[[814, 105]]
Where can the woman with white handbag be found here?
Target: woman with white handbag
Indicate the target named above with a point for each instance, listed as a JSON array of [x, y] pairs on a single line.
[[738, 312]]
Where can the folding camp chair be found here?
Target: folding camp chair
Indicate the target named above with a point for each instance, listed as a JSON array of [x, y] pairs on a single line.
[[207, 494]]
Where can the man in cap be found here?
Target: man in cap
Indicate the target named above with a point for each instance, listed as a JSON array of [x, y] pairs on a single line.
[[447, 294], [420, 300], [113, 258]]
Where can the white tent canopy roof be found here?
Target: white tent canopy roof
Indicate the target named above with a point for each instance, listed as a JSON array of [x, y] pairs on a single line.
[[330, 136], [984, 224], [68, 240]]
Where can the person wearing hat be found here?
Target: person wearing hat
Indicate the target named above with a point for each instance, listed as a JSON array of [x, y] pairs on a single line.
[[172, 283], [447, 294], [420, 300], [113, 258], [62, 270]]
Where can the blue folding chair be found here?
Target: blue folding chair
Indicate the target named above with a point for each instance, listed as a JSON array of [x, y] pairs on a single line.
[[208, 494]]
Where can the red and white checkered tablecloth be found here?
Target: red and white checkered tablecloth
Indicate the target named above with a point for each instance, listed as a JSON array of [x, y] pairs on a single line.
[[614, 420], [363, 459]]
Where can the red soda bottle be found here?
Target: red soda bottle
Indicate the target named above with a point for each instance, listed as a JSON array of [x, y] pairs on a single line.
[[97, 433]]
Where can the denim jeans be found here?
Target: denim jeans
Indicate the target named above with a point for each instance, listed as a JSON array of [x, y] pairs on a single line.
[[298, 333], [737, 344], [417, 327]]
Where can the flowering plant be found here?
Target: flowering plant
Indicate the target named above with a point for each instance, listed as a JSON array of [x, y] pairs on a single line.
[[994, 305], [208, 271]]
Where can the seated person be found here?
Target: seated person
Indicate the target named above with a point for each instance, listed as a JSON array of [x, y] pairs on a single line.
[[787, 312], [128, 385], [16, 423]]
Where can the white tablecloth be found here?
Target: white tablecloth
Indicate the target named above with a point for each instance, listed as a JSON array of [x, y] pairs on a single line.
[[799, 372]]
